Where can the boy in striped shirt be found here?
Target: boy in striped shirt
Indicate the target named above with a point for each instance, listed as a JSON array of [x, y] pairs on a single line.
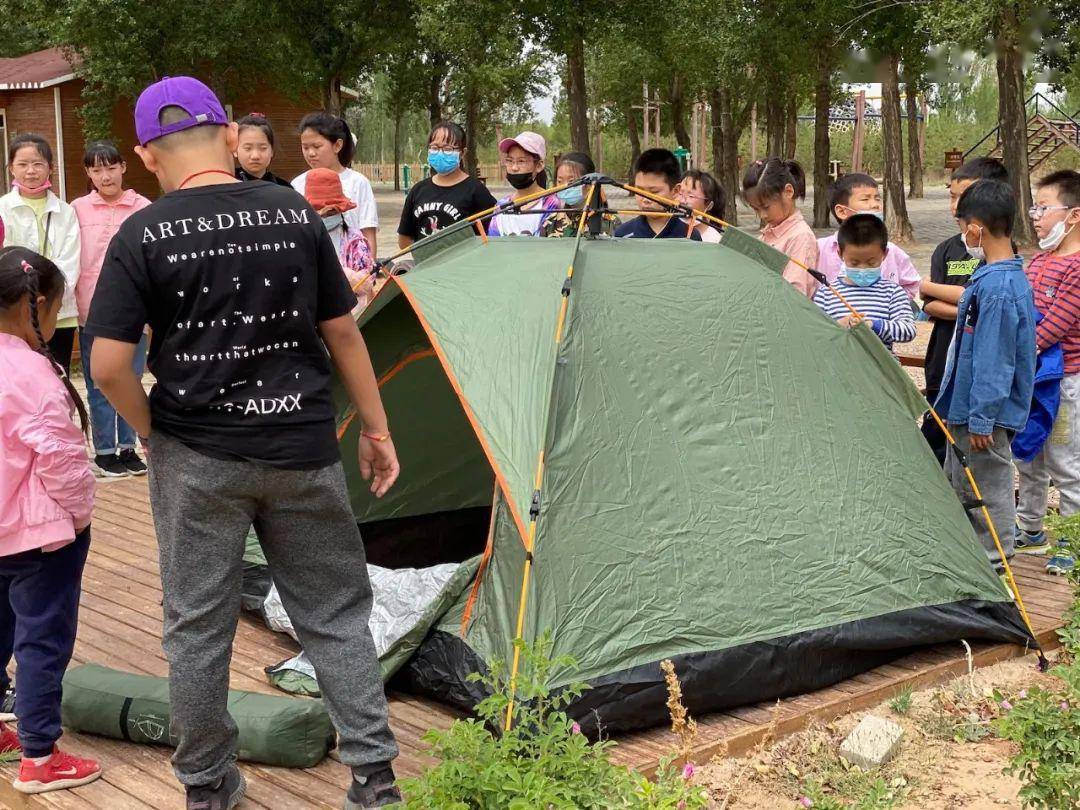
[[1055, 279], [863, 242]]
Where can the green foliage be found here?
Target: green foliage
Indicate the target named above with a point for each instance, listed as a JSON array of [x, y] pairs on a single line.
[[1045, 723], [542, 761], [1046, 726], [901, 703], [864, 791]]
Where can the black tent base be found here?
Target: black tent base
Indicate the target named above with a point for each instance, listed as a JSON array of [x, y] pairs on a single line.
[[714, 681]]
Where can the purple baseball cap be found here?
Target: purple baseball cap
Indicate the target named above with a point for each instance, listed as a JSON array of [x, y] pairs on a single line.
[[189, 94]]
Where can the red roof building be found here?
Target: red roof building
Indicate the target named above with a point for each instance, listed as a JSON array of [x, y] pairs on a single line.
[[40, 92]]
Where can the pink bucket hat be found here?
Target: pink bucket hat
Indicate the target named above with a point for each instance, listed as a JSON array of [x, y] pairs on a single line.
[[531, 142]]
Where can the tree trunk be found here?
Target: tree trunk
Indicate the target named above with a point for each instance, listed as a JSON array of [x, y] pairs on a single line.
[[915, 167], [678, 112], [398, 112], [634, 135], [791, 128], [472, 124], [1013, 117], [896, 215], [725, 149], [434, 87], [822, 143], [332, 95], [775, 124], [576, 95]]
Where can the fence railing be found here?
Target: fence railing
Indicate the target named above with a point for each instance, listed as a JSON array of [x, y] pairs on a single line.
[[1033, 102], [383, 173]]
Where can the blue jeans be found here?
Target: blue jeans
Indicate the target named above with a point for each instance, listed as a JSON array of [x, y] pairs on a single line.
[[111, 433], [39, 613]]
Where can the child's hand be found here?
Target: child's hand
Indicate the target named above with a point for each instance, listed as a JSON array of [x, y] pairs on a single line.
[[849, 321], [379, 464], [980, 443]]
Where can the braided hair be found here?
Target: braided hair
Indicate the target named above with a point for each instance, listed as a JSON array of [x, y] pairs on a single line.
[[25, 274]]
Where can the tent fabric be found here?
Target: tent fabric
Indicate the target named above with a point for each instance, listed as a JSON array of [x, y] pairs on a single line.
[[406, 604], [730, 479], [274, 730]]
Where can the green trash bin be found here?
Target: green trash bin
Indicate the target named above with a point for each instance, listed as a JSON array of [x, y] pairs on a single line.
[[406, 173], [683, 156]]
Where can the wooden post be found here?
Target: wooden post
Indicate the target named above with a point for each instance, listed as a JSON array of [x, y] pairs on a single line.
[[753, 132], [860, 129], [645, 114]]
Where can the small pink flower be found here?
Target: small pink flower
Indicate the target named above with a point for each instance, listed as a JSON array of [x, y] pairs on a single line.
[[688, 771], [576, 728], [681, 805], [1064, 705], [1006, 705], [1023, 694], [806, 801]]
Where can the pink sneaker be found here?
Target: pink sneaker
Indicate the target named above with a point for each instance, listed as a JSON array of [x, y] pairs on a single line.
[[61, 771], [10, 748]]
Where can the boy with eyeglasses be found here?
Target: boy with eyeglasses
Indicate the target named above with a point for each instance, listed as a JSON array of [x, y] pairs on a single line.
[[1054, 274]]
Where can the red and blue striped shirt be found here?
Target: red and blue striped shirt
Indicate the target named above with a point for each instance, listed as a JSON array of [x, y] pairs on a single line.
[[1055, 281]]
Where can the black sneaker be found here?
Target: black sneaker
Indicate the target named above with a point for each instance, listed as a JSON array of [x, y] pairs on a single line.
[[110, 466], [375, 790], [132, 463], [7, 706], [225, 795]]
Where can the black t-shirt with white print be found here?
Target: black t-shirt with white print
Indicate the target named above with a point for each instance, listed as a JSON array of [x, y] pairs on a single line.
[[429, 207], [233, 280]]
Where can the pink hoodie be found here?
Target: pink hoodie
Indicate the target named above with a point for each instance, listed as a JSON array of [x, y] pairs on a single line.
[[98, 222], [46, 486]]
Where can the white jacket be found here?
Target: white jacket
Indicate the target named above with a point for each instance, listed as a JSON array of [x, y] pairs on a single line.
[[20, 230]]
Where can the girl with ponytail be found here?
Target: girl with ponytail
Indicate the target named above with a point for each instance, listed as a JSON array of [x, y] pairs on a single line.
[[47, 493], [772, 188]]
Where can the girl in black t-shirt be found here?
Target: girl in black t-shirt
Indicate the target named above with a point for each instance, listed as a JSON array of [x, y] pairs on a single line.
[[255, 150], [449, 195]]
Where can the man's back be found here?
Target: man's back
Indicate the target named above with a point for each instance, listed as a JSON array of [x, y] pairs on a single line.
[[233, 280]]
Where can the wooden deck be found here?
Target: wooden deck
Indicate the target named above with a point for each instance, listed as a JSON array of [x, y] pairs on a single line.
[[120, 626]]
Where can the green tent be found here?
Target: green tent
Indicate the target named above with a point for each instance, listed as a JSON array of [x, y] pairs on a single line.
[[728, 479]]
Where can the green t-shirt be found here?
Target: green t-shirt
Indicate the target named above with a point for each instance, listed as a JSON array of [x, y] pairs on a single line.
[[37, 204]]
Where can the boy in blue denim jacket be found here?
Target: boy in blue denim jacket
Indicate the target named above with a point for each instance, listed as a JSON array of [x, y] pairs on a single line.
[[990, 373]]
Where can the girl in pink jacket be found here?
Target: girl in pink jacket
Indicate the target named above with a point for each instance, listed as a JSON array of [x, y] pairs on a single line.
[[46, 497], [100, 213]]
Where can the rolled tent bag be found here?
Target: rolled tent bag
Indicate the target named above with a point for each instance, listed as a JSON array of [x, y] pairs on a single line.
[[274, 730]]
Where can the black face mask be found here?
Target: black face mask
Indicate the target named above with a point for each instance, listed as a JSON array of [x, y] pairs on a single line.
[[520, 180]]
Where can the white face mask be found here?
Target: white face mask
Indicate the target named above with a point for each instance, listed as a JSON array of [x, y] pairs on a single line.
[[974, 251], [1057, 235]]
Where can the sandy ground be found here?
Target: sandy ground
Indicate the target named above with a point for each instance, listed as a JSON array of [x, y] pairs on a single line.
[[931, 772]]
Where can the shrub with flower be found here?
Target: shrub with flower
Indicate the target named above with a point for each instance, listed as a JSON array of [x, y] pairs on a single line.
[[543, 761]]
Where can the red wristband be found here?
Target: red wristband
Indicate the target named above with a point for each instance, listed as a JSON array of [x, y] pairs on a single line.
[[375, 437]]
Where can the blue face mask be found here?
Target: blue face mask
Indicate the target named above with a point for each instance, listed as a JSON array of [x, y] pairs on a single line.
[[571, 196], [443, 162], [861, 277]]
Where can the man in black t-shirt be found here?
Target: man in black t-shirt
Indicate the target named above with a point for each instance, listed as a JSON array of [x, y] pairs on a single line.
[[951, 267], [248, 304]]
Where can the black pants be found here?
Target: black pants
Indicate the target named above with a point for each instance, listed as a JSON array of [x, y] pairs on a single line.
[[39, 612], [62, 345]]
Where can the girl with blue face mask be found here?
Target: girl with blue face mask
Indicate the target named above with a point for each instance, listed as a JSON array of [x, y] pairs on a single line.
[[570, 167], [449, 195]]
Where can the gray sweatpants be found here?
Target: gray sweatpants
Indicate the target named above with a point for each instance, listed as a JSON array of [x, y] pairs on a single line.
[[993, 471], [203, 508], [1059, 460]]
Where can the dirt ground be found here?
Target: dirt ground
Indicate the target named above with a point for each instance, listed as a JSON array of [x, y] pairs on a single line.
[[933, 771]]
